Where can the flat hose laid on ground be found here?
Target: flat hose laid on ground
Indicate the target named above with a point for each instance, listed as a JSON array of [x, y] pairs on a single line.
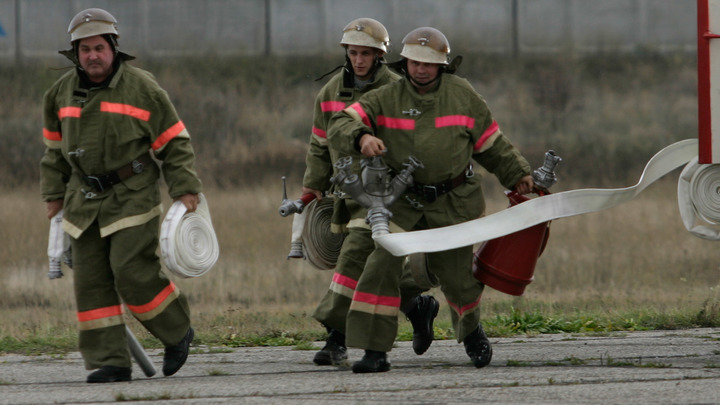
[[187, 240]]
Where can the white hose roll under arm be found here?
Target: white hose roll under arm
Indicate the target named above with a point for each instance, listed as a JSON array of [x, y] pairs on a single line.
[[537, 210], [699, 199], [187, 240]]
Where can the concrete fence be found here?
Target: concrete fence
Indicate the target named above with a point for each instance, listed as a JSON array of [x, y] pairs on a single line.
[[32, 29]]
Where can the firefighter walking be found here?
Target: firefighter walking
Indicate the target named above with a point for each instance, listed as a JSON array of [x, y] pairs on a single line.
[[104, 122], [365, 42]]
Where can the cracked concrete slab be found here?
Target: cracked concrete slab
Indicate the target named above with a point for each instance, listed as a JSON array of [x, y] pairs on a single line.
[[680, 366]]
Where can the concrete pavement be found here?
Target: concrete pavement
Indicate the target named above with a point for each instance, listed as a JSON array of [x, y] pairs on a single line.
[[673, 367]]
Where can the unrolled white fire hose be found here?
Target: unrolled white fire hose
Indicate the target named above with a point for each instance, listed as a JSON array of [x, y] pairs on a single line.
[[187, 240], [561, 205]]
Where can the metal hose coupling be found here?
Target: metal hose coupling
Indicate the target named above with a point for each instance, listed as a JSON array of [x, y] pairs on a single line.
[[544, 177], [374, 189]]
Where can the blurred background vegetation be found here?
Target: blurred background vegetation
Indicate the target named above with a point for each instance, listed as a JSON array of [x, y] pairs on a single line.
[[250, 118]]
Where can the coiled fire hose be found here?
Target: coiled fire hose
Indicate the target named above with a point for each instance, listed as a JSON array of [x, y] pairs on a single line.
[[58, 247], [570, 203], [187, 240], [321, 246], [699, 199]]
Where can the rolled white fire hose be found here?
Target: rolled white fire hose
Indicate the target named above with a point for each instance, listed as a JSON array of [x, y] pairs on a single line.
[[187, 240], [542, 209], [699, 199], [56, 246], [320, 245]]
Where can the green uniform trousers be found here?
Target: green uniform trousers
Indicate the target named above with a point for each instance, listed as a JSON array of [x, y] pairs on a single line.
[[123, 268], [371, 322], [358, 245]]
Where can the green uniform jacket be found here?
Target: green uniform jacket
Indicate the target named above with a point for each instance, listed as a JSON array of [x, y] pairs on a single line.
[[333, 97], [98, 131], [445, 129]]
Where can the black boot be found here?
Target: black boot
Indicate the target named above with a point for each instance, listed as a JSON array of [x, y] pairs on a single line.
[[372, 362], [175, 356], [477, 346], [106, 374], [421, 316], [334, 352]]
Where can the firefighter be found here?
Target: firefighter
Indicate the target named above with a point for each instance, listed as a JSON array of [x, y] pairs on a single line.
[[438, 118], [365, 42], [104, 122]]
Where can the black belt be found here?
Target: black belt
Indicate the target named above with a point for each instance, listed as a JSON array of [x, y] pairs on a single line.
[[430, 192], [100, 182]]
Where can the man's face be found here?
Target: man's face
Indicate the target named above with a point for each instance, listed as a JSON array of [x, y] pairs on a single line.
[[362, 59], [96, 57], [422, 73]]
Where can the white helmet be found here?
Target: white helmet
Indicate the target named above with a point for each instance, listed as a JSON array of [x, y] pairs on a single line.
[[366, 32], [426, 44], [91, 22]]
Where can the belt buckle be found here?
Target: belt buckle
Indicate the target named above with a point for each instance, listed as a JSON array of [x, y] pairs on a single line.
[[94, 182], [137, 166], [430, 193]]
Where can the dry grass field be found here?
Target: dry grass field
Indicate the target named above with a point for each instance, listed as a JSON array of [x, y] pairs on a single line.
[[632, 261], [605, 115]]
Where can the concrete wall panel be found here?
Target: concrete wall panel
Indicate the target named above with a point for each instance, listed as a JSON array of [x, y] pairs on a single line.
[[297, 27], [7, 35], [157, 28], [669, 24], [606, 25], [546, 26]]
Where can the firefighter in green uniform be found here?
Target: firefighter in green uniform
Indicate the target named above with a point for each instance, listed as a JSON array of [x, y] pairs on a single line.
[[103, 123], [439, 119], [365, 41]]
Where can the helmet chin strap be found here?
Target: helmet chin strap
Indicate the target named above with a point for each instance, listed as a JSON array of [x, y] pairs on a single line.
[[423, 85], [426, 84]]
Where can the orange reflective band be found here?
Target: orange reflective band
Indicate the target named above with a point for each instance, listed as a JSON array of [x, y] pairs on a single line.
[[461, 310], [333, 106], [395, 123], [344, 281], [319, 132], [168, 135], [361, 112], [72, 112], [455, 120], [52, 135], [162, 296], [492, 129], [376, 299], [100, 313], [125, 109]]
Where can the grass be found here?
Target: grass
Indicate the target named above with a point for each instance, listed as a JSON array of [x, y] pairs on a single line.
[[630, 268]]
